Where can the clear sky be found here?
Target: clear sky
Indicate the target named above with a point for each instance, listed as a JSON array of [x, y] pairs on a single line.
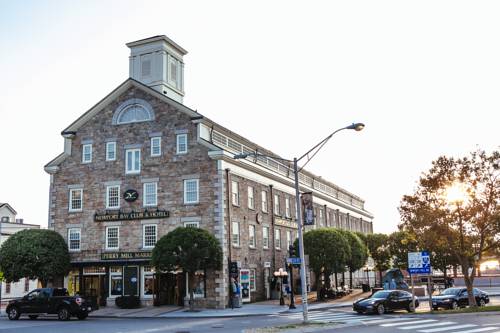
[[424, 76]]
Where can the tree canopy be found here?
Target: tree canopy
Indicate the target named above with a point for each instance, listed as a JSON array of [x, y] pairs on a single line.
[[460, 198], [378, 246], [358, 254], [34, 253], [400, 243]]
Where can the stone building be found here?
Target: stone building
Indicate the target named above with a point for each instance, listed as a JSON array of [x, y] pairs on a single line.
[[140, 163]]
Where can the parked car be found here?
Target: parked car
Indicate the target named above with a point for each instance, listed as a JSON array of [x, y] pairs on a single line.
[[49, 301], [385, 301], [453, 298]]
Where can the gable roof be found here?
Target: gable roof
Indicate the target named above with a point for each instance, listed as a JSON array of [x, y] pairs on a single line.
[[9, 207]]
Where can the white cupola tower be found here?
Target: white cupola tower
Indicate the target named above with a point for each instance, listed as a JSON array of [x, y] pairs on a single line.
[[157, 62]]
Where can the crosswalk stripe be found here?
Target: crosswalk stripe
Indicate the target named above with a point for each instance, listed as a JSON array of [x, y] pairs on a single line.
[[386, 320], [483, 329], [448, 328], [427, 325], [408, 322]]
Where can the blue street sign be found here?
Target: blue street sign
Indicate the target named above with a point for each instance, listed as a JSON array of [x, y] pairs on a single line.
[[419, 263], [293, 261]]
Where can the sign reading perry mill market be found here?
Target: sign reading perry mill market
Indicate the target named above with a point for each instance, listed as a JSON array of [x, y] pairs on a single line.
[[126, 255], [123, 216]]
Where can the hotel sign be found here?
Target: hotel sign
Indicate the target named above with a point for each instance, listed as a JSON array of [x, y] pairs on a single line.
[[285, 223], [122, 216], [125, 255]]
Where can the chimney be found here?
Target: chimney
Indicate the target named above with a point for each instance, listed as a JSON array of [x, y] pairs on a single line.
[[157, 62]]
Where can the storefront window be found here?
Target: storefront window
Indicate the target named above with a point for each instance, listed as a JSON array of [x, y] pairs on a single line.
[[148, 285], [115, 281], [199, 284], [73, 282]]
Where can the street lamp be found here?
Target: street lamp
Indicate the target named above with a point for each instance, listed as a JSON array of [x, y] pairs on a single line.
[[281, 273], [314, 150]]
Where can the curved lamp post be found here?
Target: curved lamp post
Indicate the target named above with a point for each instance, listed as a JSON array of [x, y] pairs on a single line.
[[313, 151], [281, 273]]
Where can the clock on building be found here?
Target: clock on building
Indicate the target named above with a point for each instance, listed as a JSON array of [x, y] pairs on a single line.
[[130, 195]]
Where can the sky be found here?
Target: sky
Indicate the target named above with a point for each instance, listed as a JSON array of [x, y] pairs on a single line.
[[424, 77]]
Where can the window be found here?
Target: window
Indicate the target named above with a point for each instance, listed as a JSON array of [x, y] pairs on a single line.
[[149, 235], [251, 201], [191, 224], [87, 153], [150, 194], [26, 284], [146, 67], [74, 237], [199, 285], [148, 281], [277, 205], [265, 237], [115, 281], [264, 201], [113, 197], [133, 113], [156, 146], [174, 72], [287, 208], [277, 238], [251, 235], [191, 191], [110, 151], [235, 230], [112, 238], [288, 239], [133, 161], [182, 147], [7, 287], [253, 287], [235, 193], [321, 217], [5, 219], [76, 200]]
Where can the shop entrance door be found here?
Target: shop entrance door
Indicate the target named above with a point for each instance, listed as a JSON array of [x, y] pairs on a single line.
[[92, 288], [130, 280], [171, 289]]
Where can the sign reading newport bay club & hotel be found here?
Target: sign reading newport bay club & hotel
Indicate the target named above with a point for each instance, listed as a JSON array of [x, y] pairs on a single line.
[[419, 262], [124, 216]]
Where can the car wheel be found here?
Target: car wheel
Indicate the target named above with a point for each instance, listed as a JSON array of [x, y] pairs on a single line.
[[13, 313], [482, 302], [380, 309], [435, 308], [454, 305], [410, 308], [33, 317], [82, 316], [63, 314]]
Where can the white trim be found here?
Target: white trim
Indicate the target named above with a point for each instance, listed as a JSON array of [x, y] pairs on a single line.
[[177, 140], [197, 191], [232, 233], [252, 227], [142, 285], [235, 193], [79, 232], [144, 235], [250, 203], [107, 237], [108, 144], [277, 232], [107, 196], [264, 246], [84, 160], [264, 208], [70, 206], [144, 196], [133, 162], [158, 140]]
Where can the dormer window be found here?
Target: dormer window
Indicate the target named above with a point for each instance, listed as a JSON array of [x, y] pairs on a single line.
[[133, 111], [175, 73]]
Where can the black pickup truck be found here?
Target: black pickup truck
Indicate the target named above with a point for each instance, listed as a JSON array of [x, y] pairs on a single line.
[[49, 301]]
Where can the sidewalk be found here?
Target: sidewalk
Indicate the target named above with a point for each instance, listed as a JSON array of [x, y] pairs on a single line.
[[252, 309]]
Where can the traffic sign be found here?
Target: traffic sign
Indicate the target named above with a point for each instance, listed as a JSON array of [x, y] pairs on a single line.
[[419, 262], [293, 260]]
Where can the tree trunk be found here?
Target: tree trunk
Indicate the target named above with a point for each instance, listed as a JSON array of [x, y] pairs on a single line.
[[328, 280], [350, 279], [191, 290], [455, 271], [343, 279], [380, 276], [336, 280], [469, 281], [43, 283], [318, 285]]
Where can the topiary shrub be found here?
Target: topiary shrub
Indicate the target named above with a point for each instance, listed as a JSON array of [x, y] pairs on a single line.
[[127, 302]]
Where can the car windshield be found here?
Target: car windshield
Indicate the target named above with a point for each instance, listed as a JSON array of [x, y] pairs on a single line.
[[451, 291], [381, 294]]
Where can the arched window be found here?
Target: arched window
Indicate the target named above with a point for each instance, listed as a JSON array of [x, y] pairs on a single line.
[[133, 111]]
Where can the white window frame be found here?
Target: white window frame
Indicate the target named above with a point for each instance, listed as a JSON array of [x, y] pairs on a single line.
[[287, 207], [89, 153], [108, 150], [108, 188], [277, 208], [265, 239], [251, 197], [114, 273], [197, 181], [133, 162], [79, 232], [233, 234], [264, 201], [144, 246], [178, 143], [252, 241], [288, 239], [145, 274], [155, 143], [277, 239], [70, 204], [192, 224], [117, 236], [145, 195], [235, 193]]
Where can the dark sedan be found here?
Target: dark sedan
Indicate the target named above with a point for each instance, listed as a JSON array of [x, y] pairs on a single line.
[[385, 301], [453, 298]]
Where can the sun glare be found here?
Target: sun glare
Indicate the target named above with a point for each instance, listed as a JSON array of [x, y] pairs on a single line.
[[456, 193]]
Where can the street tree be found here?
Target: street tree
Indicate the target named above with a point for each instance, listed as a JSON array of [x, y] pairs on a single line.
[[378, 247], [400, 243], [189, 249], [36, 254], [358, 255], [460, 197]]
